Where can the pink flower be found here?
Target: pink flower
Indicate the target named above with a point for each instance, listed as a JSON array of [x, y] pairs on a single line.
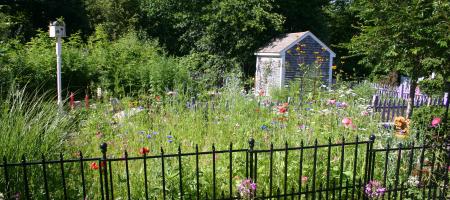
[[436, 121], [247, 189], [347, 122], [331, 101], [364, 113], [304, 179], [374, 189]]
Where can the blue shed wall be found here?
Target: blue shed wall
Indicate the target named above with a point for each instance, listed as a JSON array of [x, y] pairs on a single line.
[[307, 51]]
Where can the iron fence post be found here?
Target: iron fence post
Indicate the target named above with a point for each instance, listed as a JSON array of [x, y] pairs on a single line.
[[251, 143], [104, 167]]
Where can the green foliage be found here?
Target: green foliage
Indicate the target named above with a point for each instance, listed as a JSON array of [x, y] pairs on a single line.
[[118, 17], [434, 86], [408, 36], [421, 120], [129, 65], [230, 30]]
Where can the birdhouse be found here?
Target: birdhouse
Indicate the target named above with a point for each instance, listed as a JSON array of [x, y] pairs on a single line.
[[57, 29]]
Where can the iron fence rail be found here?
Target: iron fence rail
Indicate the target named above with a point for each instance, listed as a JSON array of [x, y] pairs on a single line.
[[322, 186]]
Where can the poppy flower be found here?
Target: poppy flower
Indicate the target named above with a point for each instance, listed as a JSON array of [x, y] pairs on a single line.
[[282, 110], [94, 165], [144, 151], [436, 121]]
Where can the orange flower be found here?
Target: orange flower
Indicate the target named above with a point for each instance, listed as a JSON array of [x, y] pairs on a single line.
[[144, 150]]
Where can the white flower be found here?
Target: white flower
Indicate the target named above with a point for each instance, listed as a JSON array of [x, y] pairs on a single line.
[[413, 181]]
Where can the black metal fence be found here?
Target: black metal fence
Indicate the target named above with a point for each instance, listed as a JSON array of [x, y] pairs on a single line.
[[333, 171]]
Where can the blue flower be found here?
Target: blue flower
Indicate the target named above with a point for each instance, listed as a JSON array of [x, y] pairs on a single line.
[[170, 141], [169, 137], [149, 136], [307, 109], [264, 127], [155, 133]]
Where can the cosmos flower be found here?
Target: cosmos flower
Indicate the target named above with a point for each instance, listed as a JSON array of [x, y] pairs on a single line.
[[347, 122]]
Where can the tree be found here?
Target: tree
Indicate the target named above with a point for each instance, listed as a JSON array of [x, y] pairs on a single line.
[[230, 29], [303, 15], [410, 37]]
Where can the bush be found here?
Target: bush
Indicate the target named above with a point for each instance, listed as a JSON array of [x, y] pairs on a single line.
[[421, 121], [127, 66]]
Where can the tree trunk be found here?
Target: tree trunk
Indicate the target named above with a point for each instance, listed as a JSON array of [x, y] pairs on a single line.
[[412, 94]]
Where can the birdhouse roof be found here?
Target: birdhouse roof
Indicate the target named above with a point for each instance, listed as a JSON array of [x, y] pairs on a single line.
[[279, 45]]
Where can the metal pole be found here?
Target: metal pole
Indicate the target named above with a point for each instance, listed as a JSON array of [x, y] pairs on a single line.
[[58, 69]]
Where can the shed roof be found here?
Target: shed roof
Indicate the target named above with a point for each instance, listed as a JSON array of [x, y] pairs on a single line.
[[285, 41]]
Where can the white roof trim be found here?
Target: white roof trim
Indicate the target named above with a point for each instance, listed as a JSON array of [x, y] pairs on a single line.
[[306, 34], [268, 54]]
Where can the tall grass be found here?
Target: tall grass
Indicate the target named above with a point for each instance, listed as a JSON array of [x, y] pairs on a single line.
[[30, 125]]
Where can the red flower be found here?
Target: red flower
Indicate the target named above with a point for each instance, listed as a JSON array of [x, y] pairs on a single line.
[[94, 165], [282, 109], [144, 150]]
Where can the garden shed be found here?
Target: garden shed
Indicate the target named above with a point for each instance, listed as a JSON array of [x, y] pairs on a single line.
[[277, 63]]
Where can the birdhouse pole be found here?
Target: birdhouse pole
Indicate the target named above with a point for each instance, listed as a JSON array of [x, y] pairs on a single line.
[[58, 29]]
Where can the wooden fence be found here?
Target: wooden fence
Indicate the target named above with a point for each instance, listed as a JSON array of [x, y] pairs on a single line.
[[389, 107]]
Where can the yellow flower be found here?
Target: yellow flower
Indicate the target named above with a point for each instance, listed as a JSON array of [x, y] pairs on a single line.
[[333, 67]]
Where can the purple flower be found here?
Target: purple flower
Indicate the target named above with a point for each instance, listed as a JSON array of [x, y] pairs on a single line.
[[155, 133], [341, 104], [149, 136], [170, 141], [374, 189], [169, 137], [247, 189]]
